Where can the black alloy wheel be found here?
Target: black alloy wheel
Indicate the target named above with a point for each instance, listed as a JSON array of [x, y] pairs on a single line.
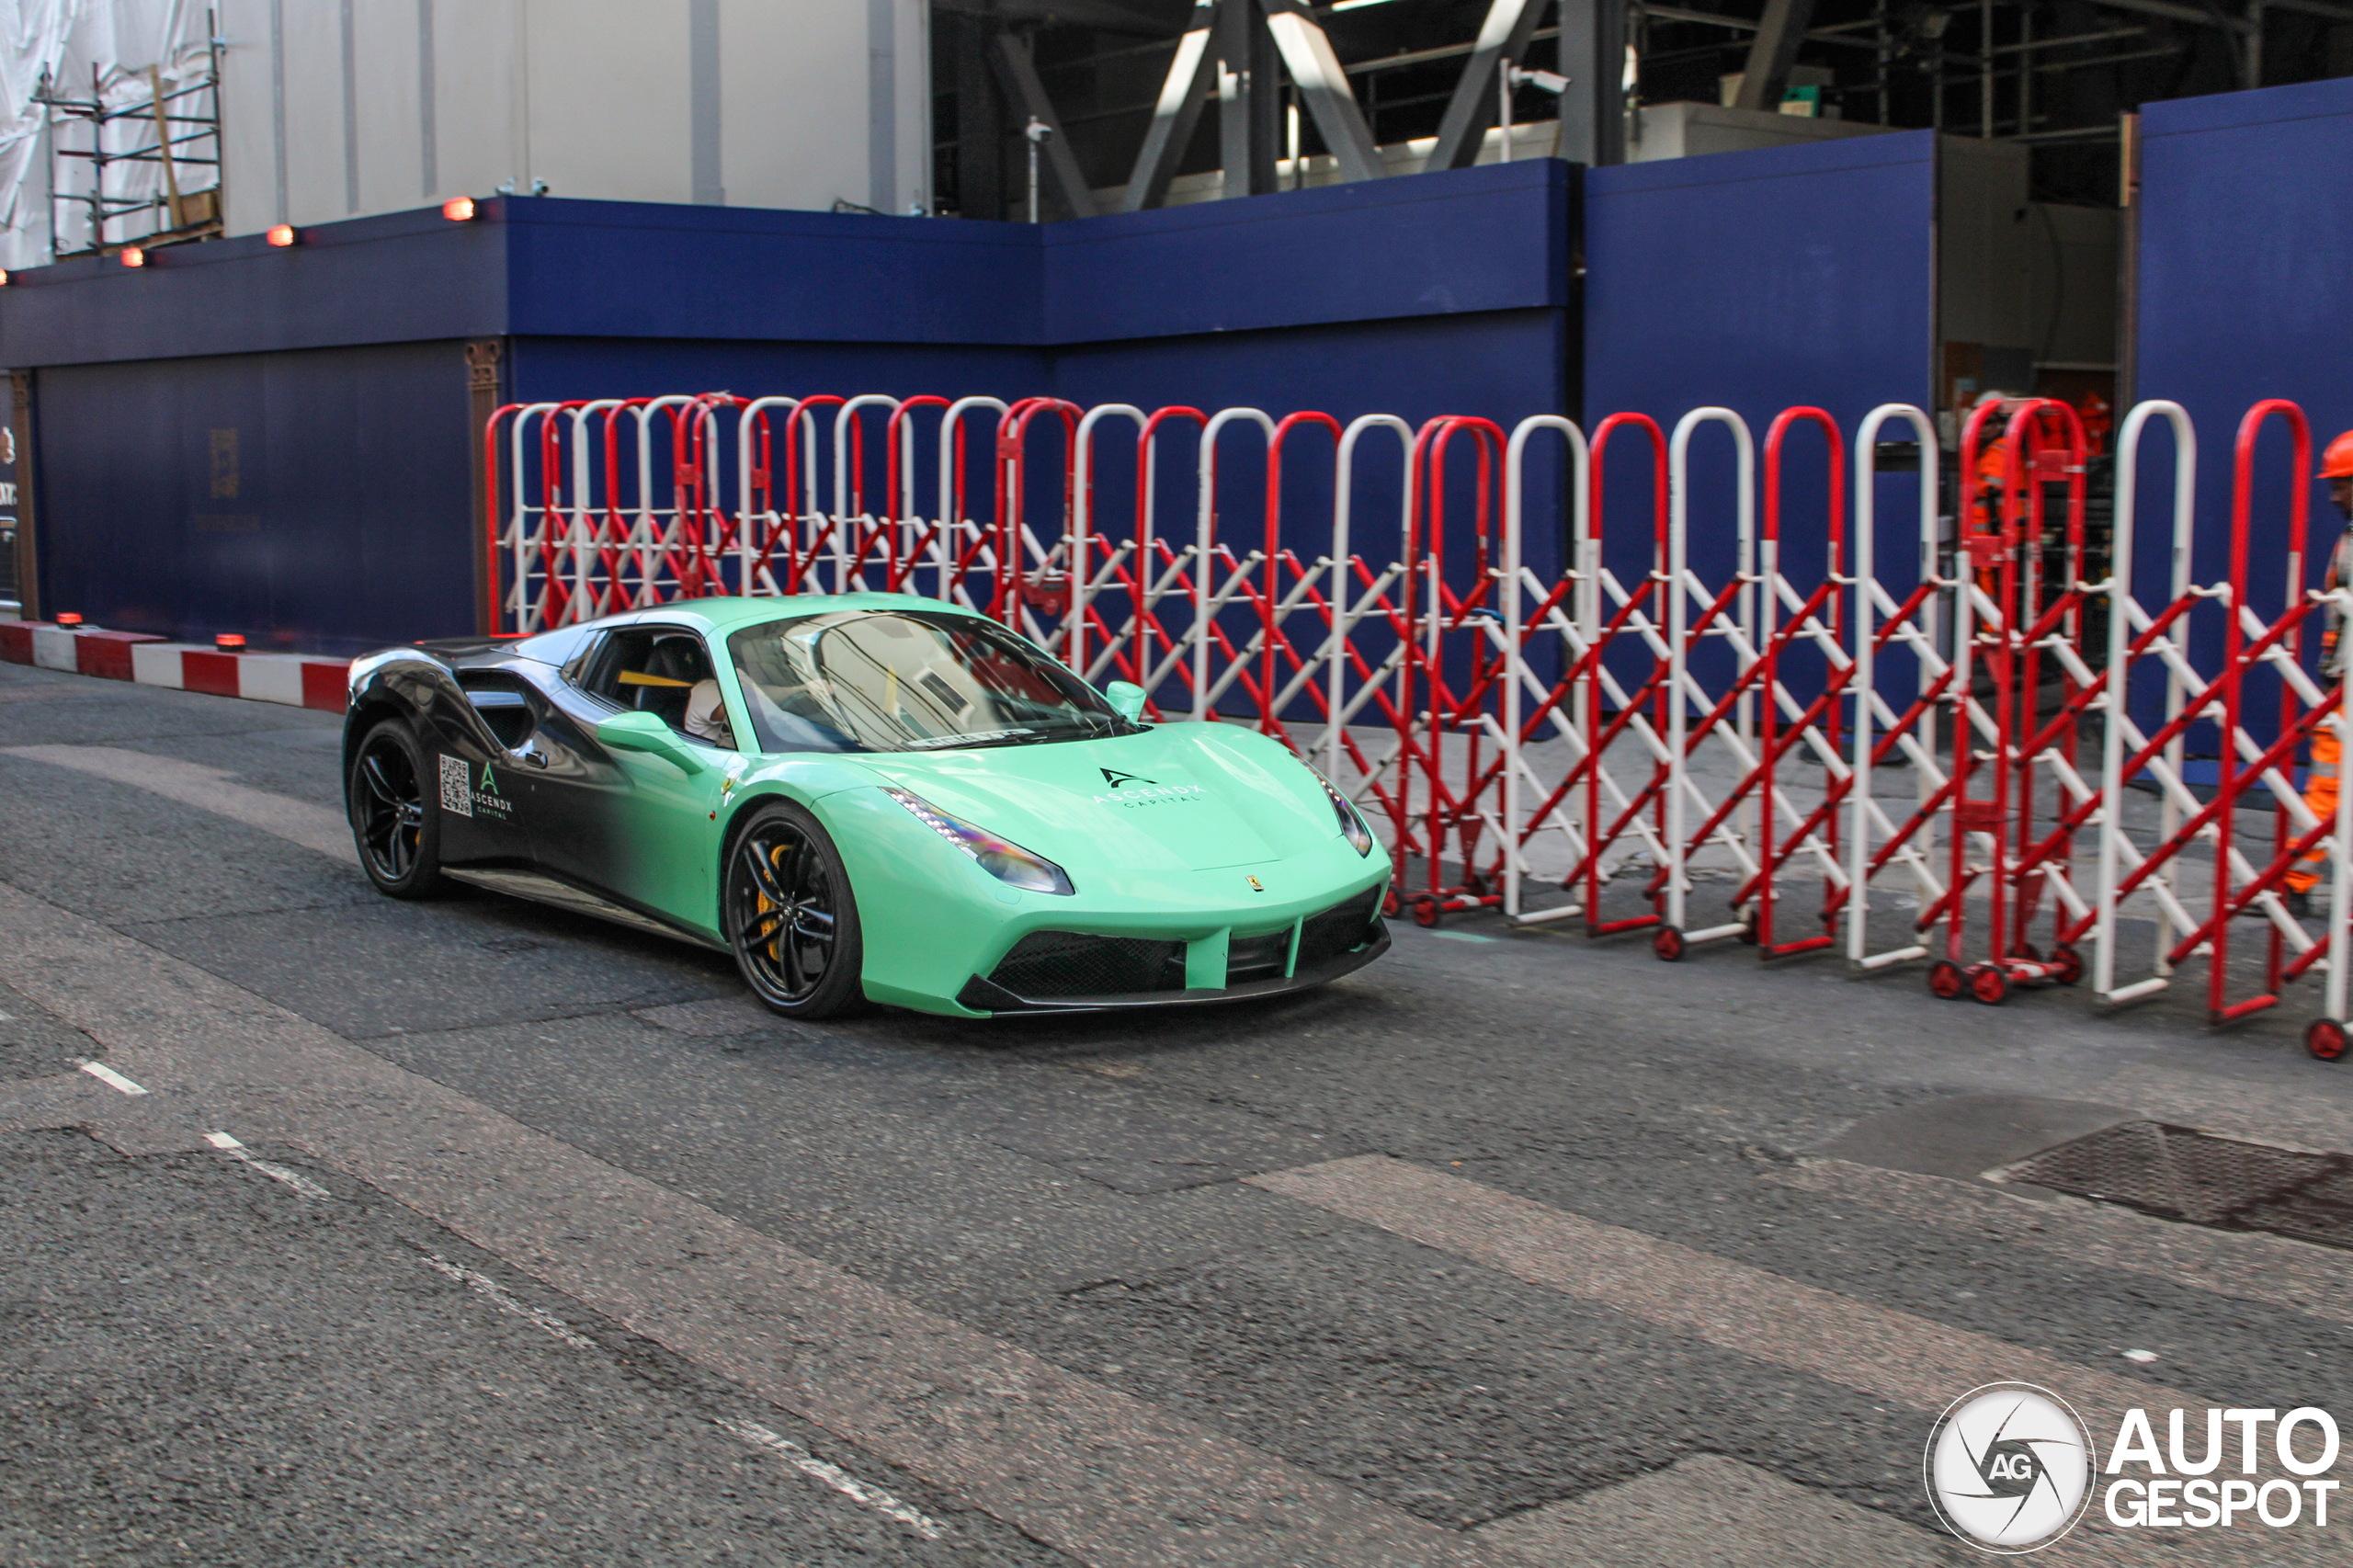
[[398, 833], [791, 917]]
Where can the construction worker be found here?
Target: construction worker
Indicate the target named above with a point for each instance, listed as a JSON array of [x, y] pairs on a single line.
[[2320, 780], [1993, 476]]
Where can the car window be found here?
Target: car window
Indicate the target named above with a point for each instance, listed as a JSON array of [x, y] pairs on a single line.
[[664, 671], [908, 680]]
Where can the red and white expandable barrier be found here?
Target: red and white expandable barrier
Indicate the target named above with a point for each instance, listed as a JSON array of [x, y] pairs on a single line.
[[1512, 731]]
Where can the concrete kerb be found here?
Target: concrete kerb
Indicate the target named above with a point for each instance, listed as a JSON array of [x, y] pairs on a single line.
[[295, 680]]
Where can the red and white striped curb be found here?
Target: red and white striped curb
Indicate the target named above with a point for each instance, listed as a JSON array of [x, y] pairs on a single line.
[[297, 680]]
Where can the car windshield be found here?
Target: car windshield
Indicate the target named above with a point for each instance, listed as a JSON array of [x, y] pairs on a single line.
[[867, 680]]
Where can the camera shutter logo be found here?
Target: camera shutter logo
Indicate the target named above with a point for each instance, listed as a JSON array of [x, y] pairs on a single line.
[[2009, 1468]]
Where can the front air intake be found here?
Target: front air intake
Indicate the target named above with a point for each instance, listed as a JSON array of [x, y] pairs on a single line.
[[1055, 965]]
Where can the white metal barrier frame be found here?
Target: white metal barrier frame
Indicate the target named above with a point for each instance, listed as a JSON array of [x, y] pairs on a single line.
[[1875, 842], [2139, 635]]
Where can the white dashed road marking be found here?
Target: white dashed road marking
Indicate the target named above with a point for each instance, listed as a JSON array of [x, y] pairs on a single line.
[[507, 1300], [110, 1078], [840, 1480], [294, 1179]]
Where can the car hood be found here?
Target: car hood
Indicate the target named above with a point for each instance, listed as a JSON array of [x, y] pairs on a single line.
[[1190, 796]]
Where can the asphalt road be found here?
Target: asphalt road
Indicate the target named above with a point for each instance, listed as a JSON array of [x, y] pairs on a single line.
[[472, 1231]]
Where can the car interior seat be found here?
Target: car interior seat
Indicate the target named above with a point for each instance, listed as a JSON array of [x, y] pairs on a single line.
[[672, 668]]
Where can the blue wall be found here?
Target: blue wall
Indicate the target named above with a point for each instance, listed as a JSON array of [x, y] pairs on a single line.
[[317, 499], [1757, 281], [2246, 293]]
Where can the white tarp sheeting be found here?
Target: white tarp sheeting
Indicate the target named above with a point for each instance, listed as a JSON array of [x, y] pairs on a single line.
[[81, 44]]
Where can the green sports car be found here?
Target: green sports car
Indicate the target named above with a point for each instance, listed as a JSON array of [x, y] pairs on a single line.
[[865, 797]]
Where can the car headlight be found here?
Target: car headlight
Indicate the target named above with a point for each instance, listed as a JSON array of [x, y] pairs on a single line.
[[1006, 861], [1352, 822]]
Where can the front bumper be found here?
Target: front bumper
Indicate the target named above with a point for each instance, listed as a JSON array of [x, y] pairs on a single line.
[[1003, 991]]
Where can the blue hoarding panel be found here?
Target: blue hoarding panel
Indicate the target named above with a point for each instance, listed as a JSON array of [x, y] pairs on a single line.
[[1437, 244], [315, 500], [2246, 293], [644, 269], [1757, 281]]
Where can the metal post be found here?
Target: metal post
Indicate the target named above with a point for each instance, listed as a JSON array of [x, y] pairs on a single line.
[[1985, 70], [1019, 74], [1034, 133], [980, 119], [1593, 55], [1885, 48], [1290, 137], [482, 355], [1247, 100], [1502, 111]]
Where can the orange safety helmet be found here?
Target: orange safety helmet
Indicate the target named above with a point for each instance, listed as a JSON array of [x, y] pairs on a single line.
[[2337, 462]]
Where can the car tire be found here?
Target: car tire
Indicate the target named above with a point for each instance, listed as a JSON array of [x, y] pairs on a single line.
[[393, 823], [806, 964]]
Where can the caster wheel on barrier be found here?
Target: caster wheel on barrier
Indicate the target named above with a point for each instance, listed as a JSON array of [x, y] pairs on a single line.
[[2324, 1037], [2071, 965], [1945, 981], [1667, 943], [1390, 906], [1990, 984], [1748, 928], [1427, 912]]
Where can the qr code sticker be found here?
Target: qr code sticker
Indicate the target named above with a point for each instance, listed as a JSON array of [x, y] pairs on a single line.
[[457, 786]]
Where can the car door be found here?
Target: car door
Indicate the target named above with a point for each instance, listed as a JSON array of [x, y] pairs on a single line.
[[632, 824], [476, 772]]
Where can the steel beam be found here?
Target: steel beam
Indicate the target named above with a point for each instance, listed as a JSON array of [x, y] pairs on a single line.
[[1503, 39], [979, 118], [1249, 102], [1773, 52], [1177, 111], [1593, 57], [1322, 87], [1028, 94]]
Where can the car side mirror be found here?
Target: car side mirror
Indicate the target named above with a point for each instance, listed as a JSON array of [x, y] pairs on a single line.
[[646, 733], [1127, 700]]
